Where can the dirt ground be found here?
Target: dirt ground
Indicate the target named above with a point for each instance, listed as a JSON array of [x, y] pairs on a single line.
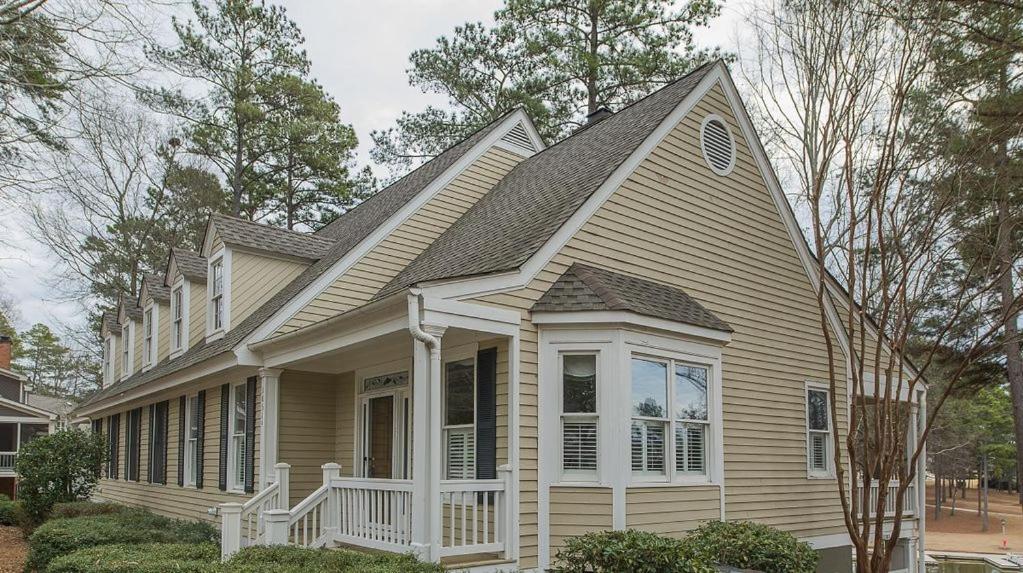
[[962, 531], [13, 550]]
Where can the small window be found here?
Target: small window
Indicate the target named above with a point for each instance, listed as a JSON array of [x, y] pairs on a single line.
[[177, 318], [126, 365], [818, 436], [191, 440], [149, 349], [217, 294], [579, 415], [237, 427], [717, 145], [108, 358], [460, 419]]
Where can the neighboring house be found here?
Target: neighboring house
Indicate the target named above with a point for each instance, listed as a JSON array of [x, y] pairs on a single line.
[[512, 345], [22, 418]]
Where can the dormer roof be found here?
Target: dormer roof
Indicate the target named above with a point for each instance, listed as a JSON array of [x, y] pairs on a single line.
[[267, 238], [190, 264], [154, 286]]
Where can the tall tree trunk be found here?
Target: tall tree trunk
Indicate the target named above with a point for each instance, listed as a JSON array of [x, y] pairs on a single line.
[[984, 524]]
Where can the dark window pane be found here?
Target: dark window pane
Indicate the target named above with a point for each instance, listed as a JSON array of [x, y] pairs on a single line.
[[818, 409], [460, 398], [30, 431], [8, 437], [580, 383], [690, 392], [649, 388]]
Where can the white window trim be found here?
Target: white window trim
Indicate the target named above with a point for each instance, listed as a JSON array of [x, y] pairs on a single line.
[[714, 424], [232, 460], [188, 479], [109, 349], [400, 393], [128, 350], [182, 345], [587, 476], [811, 473], [223, 256], [150, 356], [458, 355]]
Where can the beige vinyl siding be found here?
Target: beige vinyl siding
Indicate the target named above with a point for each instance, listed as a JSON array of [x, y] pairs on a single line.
[[163, 333], [374, 270], [172, 500], [577, 511], [344, 435], [723, 241], [196, 312], [671, 511], [256, 278], [308, 409]]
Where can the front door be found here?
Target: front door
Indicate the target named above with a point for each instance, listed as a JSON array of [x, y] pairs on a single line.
[[381, 437]]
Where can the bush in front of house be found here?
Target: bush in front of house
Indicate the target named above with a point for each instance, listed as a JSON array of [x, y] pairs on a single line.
[[629, 550], [59, 537], [296, 560], [11, 512], [748, 545], [55, 468], [144, 558], [85, 508]]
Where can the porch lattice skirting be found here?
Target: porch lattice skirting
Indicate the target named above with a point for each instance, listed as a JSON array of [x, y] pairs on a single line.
[[371, 513]]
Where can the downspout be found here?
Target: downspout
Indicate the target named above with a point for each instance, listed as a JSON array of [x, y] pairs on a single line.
[[431, 496]]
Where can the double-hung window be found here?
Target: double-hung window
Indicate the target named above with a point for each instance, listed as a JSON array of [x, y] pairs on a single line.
[[579, 415], [217, 294], [149, 350], [818, 432], [126, 365], [238, 418], [177, 318], [670, 419], [191, 440], [460, 419], [108, 360]]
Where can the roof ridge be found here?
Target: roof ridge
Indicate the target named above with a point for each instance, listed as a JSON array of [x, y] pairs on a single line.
[[310, 235]]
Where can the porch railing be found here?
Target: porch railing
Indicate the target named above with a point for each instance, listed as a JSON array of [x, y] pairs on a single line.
[[473, 514], [908, 506], [7, 460], [245, 524], [373, 513]]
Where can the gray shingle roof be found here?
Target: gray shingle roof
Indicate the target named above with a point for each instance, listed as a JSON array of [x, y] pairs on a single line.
[[583, 288], [110, 323], [511, 222], [235, 231], [156, 286], [346, 232], [191, 264]]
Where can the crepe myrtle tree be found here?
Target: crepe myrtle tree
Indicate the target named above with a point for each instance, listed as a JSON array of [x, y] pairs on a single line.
[[836, 86], [57, 468]]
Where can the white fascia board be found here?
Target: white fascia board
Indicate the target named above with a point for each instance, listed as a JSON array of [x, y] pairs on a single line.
[[455, 314], [207, 238], [205, 368], [311, 291], [623, 317], [281, 355]]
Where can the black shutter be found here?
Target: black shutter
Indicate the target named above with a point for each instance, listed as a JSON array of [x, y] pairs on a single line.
[[151, 465], [486, 413], [114, 443], [250, 435], [225, 412], [182, 429], [97, 428], [136, 448], [200, 441], [162, 415]]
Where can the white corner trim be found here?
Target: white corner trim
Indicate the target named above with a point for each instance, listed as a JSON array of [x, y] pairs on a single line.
[[631, 318], [339, 268]]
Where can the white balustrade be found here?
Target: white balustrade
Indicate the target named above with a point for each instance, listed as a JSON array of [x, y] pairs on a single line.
[[474, 515], [908, 506], [244, 524], [7, 460], [374, 513]]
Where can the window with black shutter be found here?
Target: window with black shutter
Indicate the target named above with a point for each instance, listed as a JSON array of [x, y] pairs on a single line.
[[182, 431], [113, 445], [250, 435], [158, 414], [200, 440], [134, 443], [225, 415], [486, 413]]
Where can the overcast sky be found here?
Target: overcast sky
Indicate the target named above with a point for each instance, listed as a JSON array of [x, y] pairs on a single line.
[[359, 51]]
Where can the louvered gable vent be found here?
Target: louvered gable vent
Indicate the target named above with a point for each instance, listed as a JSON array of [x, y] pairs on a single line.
[[518, 136], [718, 145]]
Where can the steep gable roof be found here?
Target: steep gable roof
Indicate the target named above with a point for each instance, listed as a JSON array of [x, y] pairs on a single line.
[[190, 264], [110, 323], [156, 287], [245, 233], [348, 231], [516, 218], [587, 288]]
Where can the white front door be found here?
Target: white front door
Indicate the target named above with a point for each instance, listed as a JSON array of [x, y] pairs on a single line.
[[383, 435]]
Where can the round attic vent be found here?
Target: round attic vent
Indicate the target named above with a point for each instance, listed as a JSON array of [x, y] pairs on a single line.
[[717, 144]]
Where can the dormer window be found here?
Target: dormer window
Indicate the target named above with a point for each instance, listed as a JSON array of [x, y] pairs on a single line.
[[108, 360], [217, 294], [177, 318], [126, 361], [148, 332]]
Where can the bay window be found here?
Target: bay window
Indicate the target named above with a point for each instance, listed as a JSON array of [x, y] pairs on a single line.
[[460, 419], [579, 415], [818, 432]]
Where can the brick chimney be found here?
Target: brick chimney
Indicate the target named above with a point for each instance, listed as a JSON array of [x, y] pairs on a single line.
[[5, 352]]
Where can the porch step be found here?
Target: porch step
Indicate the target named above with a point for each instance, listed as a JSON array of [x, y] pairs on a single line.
[[468, 562]]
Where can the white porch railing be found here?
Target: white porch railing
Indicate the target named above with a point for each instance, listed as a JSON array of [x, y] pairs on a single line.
[[245, 524], [7, 460], [908, 506], [373, 513], [473, 514]]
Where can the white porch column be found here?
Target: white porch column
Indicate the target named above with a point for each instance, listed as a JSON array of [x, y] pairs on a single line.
[[426, 447], [269, 379], [436, 515]]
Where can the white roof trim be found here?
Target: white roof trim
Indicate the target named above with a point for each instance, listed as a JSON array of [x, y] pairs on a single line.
[[26, 408], [630, 318], [296, 304]]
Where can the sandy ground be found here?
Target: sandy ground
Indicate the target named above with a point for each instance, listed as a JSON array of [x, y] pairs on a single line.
[[13, 550], [962, 532]]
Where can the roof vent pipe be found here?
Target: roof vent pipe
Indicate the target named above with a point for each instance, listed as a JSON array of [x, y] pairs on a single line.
[[600, 114]]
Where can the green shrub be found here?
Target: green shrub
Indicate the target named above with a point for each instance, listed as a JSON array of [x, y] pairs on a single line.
[[295, 560], [59, 537], [84, 508], [146, 558], [748, 545], [11, 512], [630, 550], [57, 467]]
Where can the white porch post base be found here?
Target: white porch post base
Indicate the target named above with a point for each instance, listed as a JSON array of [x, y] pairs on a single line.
[[276, 532], [230, 529]]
